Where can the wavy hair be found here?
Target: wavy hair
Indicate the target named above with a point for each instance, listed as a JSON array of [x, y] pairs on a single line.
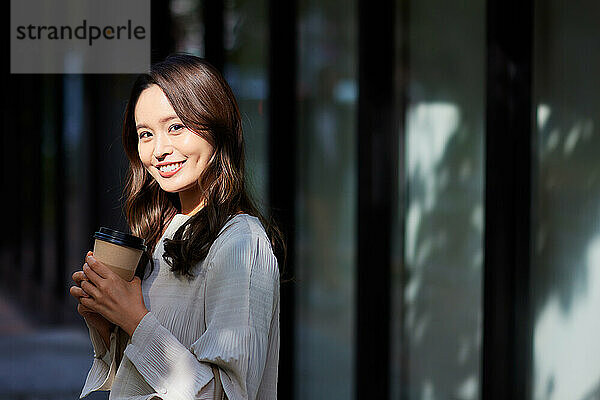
[[205, 103]]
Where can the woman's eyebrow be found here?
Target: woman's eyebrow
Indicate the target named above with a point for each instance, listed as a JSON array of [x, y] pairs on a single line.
[[162, 121]]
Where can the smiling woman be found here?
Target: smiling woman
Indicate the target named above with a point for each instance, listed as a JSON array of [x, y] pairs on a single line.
[[207, 319], [173, 154]]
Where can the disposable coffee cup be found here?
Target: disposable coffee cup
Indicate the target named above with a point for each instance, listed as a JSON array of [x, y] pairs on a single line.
[[121, 252]]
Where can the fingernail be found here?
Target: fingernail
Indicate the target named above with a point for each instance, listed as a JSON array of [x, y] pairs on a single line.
[[92, 259]]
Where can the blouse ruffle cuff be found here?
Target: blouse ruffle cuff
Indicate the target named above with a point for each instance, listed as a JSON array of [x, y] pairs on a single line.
[[166, 364], [104, 366]]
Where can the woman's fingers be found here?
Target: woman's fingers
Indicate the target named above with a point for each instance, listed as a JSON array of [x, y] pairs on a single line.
[[78, 292], [98, 267], [82, 308], [90, 289], [79, 276], [88, 303], [92, 275]]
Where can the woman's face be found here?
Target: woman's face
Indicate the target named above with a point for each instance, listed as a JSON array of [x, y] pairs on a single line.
[[174, 155]]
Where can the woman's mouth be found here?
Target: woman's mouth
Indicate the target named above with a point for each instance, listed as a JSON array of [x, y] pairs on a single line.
[[166, 171]]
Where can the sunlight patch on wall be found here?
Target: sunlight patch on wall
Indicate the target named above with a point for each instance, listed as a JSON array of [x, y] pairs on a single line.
[[564, 340]]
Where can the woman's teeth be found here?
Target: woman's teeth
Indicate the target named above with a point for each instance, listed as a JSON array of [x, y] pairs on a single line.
[[170, 167]]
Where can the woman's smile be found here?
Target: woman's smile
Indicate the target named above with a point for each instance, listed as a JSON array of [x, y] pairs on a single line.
[[167, 170]]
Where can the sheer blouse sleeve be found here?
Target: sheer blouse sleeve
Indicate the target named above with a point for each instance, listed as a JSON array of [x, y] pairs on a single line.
[[104, 364], [240, 290]]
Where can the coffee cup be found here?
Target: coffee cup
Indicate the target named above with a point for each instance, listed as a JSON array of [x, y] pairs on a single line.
[[119, 251]]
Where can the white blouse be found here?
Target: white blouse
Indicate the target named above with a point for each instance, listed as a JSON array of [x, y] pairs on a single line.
[[227, 315]]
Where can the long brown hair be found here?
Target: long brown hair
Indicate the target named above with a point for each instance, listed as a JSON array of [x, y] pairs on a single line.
[[205, 103]]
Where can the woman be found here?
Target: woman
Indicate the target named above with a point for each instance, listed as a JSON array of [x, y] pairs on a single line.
[[204, 311]]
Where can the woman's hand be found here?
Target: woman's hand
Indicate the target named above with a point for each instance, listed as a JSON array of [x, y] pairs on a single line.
[[93, 319], [119, 301]]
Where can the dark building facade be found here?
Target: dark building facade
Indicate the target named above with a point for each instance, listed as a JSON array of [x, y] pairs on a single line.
[[432, 163]]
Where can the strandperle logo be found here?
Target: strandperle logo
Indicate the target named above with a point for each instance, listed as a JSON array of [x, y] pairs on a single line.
[[90, 33], [79, 36]]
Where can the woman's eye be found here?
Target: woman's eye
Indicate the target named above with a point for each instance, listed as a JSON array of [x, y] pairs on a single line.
[[141, 135], [176, 127]]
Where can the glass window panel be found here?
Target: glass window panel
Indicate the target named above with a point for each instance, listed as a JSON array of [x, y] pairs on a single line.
[[77, 173], [51, 111], [438, 254], [246, 49], [565, 279], [188, 29], [326, 184]]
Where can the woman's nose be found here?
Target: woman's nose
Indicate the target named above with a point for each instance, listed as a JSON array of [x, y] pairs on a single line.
[[162, 147]]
